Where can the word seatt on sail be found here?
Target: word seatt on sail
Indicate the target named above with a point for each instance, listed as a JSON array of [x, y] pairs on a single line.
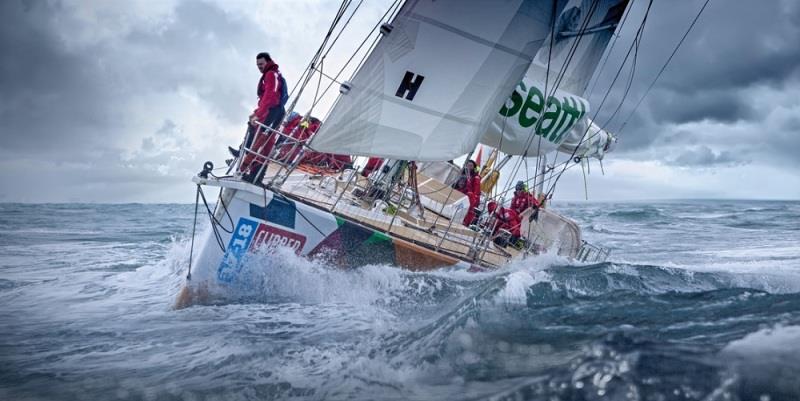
[[436, 79], [547, 107]]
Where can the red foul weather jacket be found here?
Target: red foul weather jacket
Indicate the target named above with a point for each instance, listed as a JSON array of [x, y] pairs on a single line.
[[522, 201], [268, 91]]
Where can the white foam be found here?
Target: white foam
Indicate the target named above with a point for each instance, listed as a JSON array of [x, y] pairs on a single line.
[[775, 341], [517, 285]]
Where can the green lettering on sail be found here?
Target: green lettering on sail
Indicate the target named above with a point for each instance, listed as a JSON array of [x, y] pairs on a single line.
[[557, 116], [550, 118], [533, 102], [572, 113], [516, 102]]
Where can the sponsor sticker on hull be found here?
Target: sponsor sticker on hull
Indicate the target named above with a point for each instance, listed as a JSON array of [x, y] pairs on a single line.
[[269, 237], [237, 247], [249, 236]]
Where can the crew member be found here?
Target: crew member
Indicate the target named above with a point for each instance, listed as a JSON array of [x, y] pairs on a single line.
[[299, 129], [469, 183], [523, 199], [272, 95], [505, 219]]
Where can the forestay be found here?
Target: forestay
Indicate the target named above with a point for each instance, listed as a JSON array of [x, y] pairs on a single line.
[[432, 85]]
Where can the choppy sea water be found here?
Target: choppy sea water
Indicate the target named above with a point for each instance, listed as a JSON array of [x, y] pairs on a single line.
[[700, 300]]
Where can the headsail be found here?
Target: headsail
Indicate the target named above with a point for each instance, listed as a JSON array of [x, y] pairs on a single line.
[[583, 29], [588, 141], [433, 84]]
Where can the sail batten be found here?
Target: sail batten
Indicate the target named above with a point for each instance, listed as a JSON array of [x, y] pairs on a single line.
[[432, 85]]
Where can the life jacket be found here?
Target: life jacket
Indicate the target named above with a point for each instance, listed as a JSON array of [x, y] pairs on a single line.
[[284, 90], [284, 95]]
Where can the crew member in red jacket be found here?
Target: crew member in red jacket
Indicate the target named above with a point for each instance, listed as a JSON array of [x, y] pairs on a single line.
[[523, 199], [506, 219], [470, 184], [269, 112], [301, 130]]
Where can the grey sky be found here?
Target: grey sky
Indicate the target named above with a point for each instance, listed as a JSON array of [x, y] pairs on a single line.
[[124, 101]]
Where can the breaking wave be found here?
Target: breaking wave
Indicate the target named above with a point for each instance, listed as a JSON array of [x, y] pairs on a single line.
[[711, 313]]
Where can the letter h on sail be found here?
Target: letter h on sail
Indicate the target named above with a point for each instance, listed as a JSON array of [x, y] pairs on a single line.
[[408, 88]]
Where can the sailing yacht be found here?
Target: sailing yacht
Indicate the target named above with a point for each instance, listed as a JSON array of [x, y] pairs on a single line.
[[442, 78]]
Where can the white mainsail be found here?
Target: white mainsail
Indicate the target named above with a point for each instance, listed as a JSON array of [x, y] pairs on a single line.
[[528, 125], [432, 85]]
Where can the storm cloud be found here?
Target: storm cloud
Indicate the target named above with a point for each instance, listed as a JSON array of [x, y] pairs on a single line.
[[124, 101]]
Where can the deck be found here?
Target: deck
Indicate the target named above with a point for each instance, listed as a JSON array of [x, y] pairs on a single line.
[[332, 192]]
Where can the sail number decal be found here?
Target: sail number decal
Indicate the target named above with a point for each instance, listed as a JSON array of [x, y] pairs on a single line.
[[557, 115], [237, 247], [251, 235], [409, 85]]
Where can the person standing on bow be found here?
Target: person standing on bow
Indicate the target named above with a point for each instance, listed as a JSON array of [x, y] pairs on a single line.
[[470, 184], [272, 95]]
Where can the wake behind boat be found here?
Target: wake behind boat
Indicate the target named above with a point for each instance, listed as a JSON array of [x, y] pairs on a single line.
[[434, 88]]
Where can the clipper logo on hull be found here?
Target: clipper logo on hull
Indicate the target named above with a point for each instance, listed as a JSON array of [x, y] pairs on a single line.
[[268, 236], [557, 116], [250, 235]]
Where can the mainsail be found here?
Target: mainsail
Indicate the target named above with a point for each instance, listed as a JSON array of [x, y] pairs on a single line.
[[531, 122], [435, 81]]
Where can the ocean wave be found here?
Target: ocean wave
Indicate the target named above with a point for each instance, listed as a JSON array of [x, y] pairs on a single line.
[[637, 214]]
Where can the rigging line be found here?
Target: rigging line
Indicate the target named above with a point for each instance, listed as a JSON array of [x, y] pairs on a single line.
[[316, 55], [561, 74], [346, 23], [628, 86], [551, 189], [637, 40], [358, 49], [664, 67], [610, 50], [547, 75], [500, 146], [634, 46], [335, 79], [306, 76], [544, 173], [392, 14], [559, 78], [214, 223], [319, 84], [194, 227]]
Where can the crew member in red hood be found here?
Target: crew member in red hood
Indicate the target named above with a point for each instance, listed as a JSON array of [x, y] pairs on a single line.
[[470, 184], [505, 219], [523, 199], [271, 92], [270, 110], [301, 130]]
